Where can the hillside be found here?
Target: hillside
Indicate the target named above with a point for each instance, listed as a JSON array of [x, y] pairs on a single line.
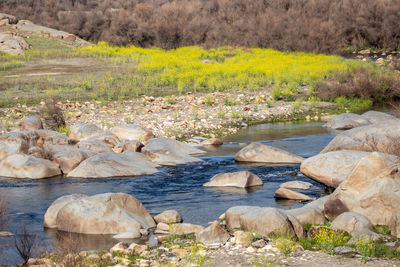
[[328, 26]]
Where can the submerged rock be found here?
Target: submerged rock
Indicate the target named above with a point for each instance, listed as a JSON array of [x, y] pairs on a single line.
[[212, 142], [289, 194], [111, 164], [296, 185], [257, 152], [241, 179], [110, 213], [165, 151], [27, 166], [331, 168]]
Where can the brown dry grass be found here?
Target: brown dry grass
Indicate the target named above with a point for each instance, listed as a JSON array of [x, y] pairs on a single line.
[[323, 25]]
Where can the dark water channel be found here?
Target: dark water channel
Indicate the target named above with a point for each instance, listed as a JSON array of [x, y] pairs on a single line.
[[177, 188]]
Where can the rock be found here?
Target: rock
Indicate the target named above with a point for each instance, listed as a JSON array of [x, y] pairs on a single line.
[[377, 117], [6, 234], [83, 131], [10, 18], [51, 213], [26, 166], [269, 220], [106, 137], [311, 213], [168, 216], [344, 251], [259, 243], [212, 142], [48, 137], [94, 145], [289, 194], [132, 234], [346, 121], [68, 157], [296, 185], [241, 179], [109, 213], [232, 215], [243, 238], [111, 164], [132, 132], [213, 234], [119, 247], [394, 225], [128, 145], [372, 189], [257, 152], [355, 224], [4, 22], [137, 248], [12, 44], [331, 168], [162, 226], [184, 229], [170, 152], [10, 146], [373, 137], [30, 123]]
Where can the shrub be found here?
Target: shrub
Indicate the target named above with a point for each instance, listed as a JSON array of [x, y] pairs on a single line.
[[24, 243], [365, 246], [327, 239], [285, 241], [3, 214]]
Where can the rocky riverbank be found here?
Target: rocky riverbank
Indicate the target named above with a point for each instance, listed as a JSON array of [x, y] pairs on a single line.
[[181, 117]]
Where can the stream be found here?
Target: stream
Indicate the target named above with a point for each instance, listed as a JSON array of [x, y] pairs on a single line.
[[178, 188]]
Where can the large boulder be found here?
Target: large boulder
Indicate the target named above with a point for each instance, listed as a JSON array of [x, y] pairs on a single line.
[[394, 225], [132, 132], [128, 145], [346, 121], [83, 131], [111, 164], [310, 213], [267, 221], [241, 179], [257, 152], [285, 193], [50, 217], [49, 137], [68, 157], [12, 145], [94, 145], [12, 44], [213, 234], [165, 151], [380, 137], [10, 18], [168, 216], [263, 220], [331, 168], [30, 123], [27, 166], [110, 213], [184, 229], [377, 117], [372, 189], [355, 224]]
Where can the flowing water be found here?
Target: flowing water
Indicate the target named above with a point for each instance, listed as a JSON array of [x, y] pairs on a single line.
[[177, 187]]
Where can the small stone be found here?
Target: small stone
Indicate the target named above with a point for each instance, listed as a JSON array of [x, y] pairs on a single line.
[[344, 250], [259, 243], [251, 250], [163, 226], [83, 254], [121, 246], [137, 248], [6, 234]]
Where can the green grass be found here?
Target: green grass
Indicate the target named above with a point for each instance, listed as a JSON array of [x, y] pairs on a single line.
[[119, 73]]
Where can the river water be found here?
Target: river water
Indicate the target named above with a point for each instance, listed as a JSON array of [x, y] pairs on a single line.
[[178, 188]]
